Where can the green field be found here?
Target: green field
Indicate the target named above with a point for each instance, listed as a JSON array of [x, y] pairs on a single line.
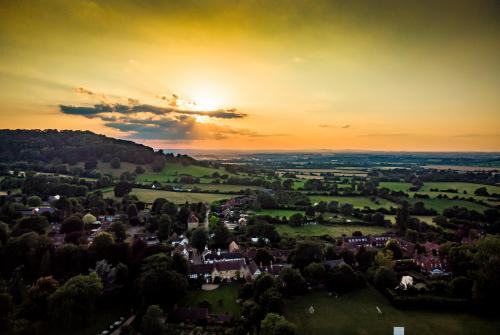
[[228, 293], [357, 202], [172, 171], [333, 230], [460, 187], [218, 187], [277, 212], [440, 204], [426, 219], [395, 186], [149, 196], [355, 313]]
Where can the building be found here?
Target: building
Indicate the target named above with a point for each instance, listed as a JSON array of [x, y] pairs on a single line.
[[356, 242], [193, 221], [233, 247]]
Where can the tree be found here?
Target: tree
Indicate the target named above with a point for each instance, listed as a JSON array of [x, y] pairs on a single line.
[[342, 278], [35, 305], [221, 236], [118, 230], [101, 245], [151, 321], [139, 169], [402, 216], [159, 283], [288, 184], [91, 164], [271, 301], [122, 188], [395, 248], [275, 324], [164, 227], [132, 210], [292, 280], [158, 163], [34, 201], [36, 223], [482, 191], [385, 277], [262, 256], [71, 224], [115, 163], [315, 272], [296, 220], [199, 238], [71, 304], [384, 258], [305, 253]]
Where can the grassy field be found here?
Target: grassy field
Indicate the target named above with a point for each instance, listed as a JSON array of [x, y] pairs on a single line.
[[357, 202], [228, 293], [426, 219], [172, 171], [395, 186], [333, 230], [355, 313], [440, 204], [149, 196], [460, 187], [218, 187], [277, 212]]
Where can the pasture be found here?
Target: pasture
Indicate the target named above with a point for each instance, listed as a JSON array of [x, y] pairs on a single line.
[[441, 204], [357, 202], [277, 212], [172, 171], [148, 196], [336, 230], [217, 187], [355, 313]]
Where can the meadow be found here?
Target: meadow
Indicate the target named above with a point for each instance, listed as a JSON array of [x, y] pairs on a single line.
[[441, 204], [148, 196], [355, 313], [357, 202], [217, 187], [172, 171], [277, 212], [336, 230]]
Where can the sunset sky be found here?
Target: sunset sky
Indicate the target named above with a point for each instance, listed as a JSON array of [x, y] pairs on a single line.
[[375, 75]]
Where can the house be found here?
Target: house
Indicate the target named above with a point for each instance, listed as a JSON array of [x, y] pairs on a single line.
[[356, 242], [333, 263], [233, 247], [216, 257], [227, 270], [252, 272], [37, 211], [193, 221]]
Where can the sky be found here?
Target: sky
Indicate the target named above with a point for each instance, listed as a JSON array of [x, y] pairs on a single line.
[[258, 74]]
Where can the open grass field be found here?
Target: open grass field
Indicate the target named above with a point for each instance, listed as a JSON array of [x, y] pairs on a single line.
[[149, 196], [228, 293], [357, 202], [395, 186], [460, 187], [218, 187], [333, 230], [172, 171], [426, 219], [441, 204], [355, 314], [277, 212]]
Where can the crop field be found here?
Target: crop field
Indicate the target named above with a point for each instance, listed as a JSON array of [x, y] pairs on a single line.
[[336, 230], [355, 313], [357, 202], [149, 196]]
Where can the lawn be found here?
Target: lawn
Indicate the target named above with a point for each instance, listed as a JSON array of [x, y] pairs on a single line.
[[218, 187], [228, 293], [172, 171], [440, 204], [395, 186], [357, 202], [149, 196], [332, 230], [426, 219], [355, 313], [277, 212]]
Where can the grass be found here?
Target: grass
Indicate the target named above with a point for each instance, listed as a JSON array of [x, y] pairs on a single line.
[[355, 313], [357, 202], [228, 293], [460, 187], [395, 186], [333, 230], [441, 204], [426, 219], [218, 187], [172, 171], [277, 212], [149, 196]]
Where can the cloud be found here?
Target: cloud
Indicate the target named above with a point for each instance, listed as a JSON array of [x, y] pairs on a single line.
[[325, 125], [175, 122]]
